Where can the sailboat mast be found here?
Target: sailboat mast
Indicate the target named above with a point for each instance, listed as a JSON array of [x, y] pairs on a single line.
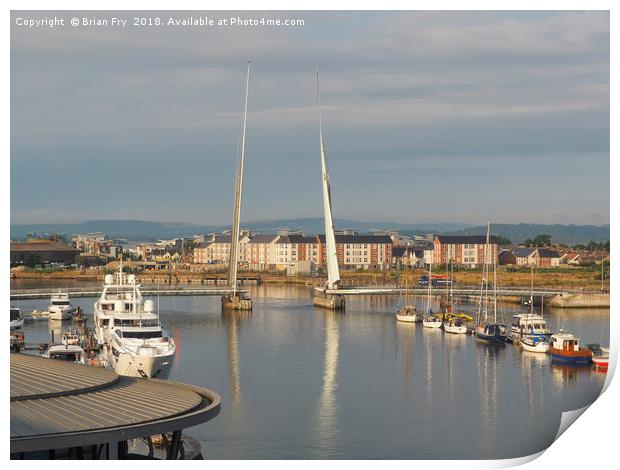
[[451, 284], [333, 274], [532, 292], [430, 286], [494, 285], [234, 242]]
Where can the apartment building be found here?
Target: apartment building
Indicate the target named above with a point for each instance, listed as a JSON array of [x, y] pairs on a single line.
[[465, 250]]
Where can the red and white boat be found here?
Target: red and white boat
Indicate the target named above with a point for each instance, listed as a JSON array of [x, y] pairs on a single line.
[[600, 358], [566, 348]]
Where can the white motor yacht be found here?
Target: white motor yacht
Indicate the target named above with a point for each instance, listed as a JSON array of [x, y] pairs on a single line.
[[60, 306], [128, 328], [68, 349], [530, 324]]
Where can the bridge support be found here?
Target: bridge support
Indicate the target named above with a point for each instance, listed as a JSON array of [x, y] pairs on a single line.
[[235, 301], [328, 301]]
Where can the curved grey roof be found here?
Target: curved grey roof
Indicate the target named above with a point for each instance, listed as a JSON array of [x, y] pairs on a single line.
[[55, 404]]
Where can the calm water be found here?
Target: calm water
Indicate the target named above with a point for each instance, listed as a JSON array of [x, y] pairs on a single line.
[[300, 382]]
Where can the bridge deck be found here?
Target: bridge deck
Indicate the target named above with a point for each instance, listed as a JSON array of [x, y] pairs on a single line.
[[74, 292]]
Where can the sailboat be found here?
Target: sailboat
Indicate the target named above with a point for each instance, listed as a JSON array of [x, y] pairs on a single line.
[[325, 296], [531, 329], [408, 312], [236, 300], [454, 323], [488, 330], [431, 320]]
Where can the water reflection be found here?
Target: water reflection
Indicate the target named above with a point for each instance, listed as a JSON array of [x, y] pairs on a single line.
[[404, 351], [310, 375], [532, 370], [232, 322], [327, 427], [487, 359]]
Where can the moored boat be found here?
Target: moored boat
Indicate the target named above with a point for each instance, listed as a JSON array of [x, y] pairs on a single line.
[[60, 306], [17, 321], [134, 342], [432, 320], [455, 325], [491, 333], [534, 343], [408, 313], [600, 356], [566, 348], [529, 324], [489, 330]]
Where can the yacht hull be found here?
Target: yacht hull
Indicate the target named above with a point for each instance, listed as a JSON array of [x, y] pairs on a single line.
[[152, 367], [59, 315], [432, 324], [409, 318], [455, 330], [536, 348]]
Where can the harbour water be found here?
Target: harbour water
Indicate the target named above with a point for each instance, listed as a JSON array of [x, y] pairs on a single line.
[[300, 382]]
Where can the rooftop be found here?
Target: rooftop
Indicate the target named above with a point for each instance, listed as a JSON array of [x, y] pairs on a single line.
[[465, 239], [56, 405], [44, 245]]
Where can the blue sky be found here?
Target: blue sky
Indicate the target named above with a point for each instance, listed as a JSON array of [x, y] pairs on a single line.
[[429, 117]]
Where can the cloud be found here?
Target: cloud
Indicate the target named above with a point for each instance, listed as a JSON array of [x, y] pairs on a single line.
[[520, 88]]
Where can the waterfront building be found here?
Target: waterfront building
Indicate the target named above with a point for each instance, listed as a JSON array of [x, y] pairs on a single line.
[[41, 252], [546, 257], [570, 257], [216, 249], [293, 248], [532, 256], [360, 251], [464, 250], [524, 256], [261, 252], [506, 257], [88, 243], [409, 256]]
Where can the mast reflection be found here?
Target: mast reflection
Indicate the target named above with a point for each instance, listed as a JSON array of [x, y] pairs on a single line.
[[327, 428]]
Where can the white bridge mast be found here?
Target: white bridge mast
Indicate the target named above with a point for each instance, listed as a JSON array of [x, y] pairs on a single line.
[[234, 242], [333, 275]]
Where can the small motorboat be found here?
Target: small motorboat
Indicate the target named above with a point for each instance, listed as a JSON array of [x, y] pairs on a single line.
[[66, 352], [535, 343], [566, 348], [600, 356]]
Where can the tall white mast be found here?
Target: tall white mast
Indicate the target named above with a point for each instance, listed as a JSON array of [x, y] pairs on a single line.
[[234, 242], [430, 287], [484, 286], [493, 254], [333, 274]]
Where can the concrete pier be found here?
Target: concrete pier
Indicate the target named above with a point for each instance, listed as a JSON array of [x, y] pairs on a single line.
[[581, 300], [328, 301], [236, 302]]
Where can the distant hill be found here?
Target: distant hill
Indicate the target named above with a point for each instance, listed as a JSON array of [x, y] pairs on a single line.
[[130, 229], [517, 233], [136, 230]]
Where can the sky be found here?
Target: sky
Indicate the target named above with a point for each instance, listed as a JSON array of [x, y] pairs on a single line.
[[428, 117]]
